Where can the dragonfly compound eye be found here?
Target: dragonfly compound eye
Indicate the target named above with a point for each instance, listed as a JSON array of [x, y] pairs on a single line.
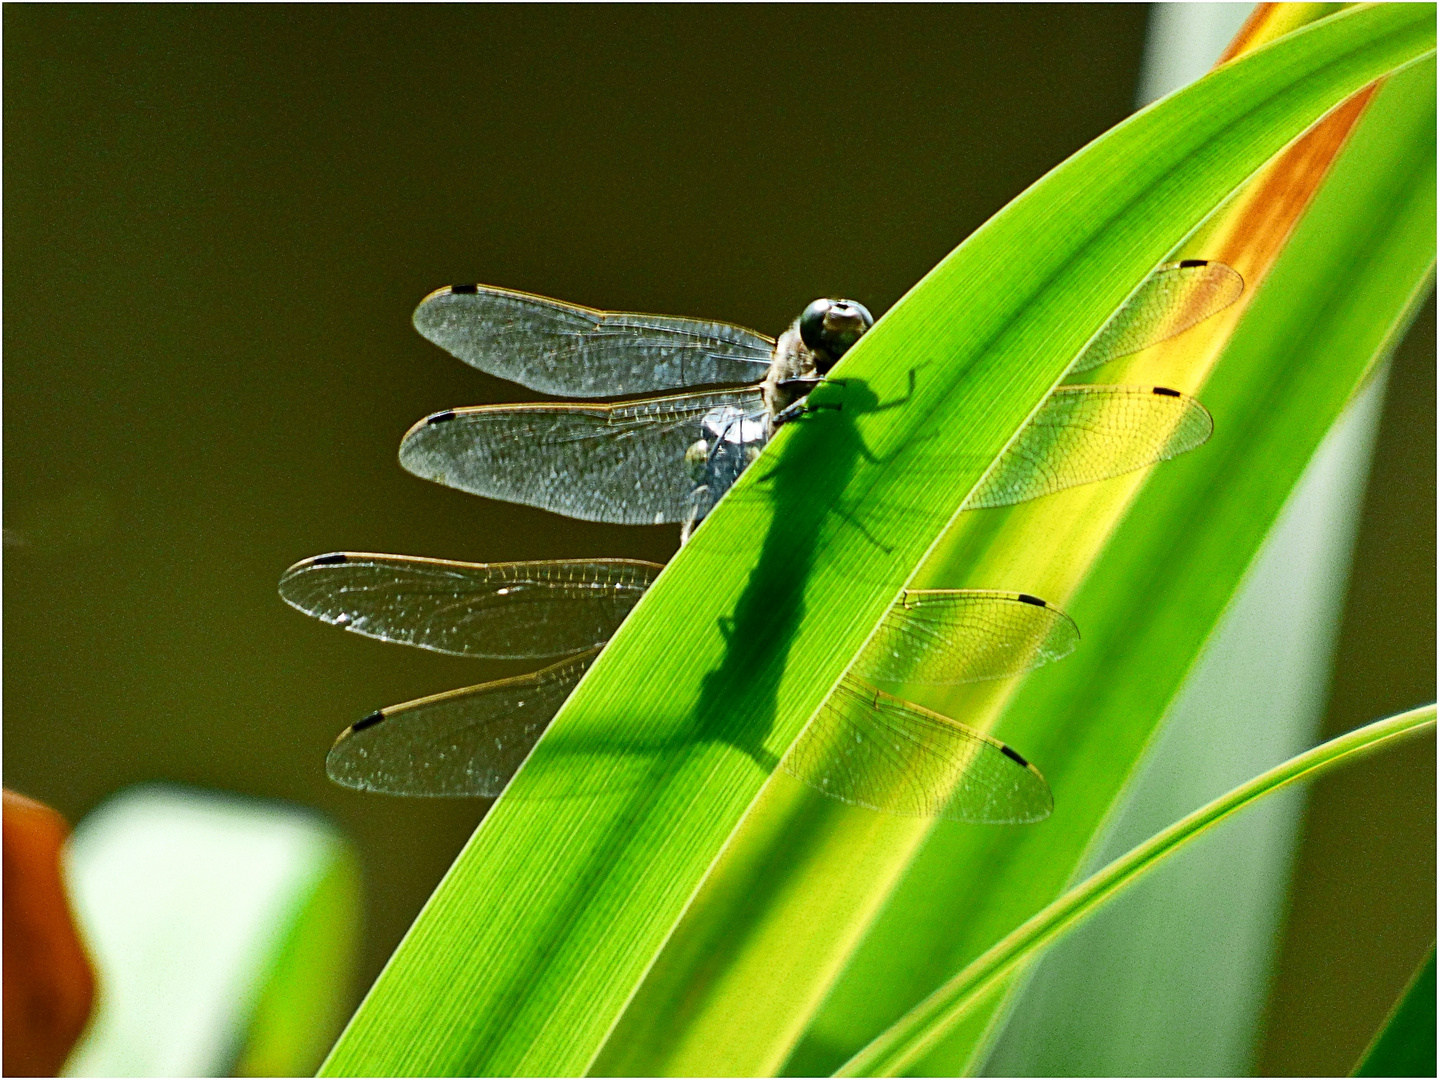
[[829, 327]]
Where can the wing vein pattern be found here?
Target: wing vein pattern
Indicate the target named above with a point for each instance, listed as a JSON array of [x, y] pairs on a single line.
[[943, 637], [867, 748], [463, 743], [622, 463], [574, 351], [1086, 433], [522, 610], [470, 741], [1170, 301]]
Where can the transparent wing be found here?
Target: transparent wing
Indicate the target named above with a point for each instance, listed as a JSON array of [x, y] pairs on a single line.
[[514, 610], [1171, 300], [622, 463], [947, 636], [462, 743], [1087, 433], [573, 351], [870, 749]]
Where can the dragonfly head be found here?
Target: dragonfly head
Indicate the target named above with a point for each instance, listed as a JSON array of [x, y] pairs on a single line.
[[829, 327]]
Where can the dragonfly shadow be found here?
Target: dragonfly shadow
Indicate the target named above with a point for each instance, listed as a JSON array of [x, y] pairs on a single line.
[[806, 494], [806, 491]]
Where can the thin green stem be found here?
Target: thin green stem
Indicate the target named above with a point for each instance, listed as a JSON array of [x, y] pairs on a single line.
[[919, 1030]]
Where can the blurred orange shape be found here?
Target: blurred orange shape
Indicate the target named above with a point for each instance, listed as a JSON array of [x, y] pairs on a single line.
[[49, 986]]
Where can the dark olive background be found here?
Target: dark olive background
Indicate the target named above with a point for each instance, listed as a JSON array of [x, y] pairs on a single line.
[[218, 221]]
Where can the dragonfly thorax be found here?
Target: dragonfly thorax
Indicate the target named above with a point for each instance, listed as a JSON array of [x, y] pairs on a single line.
[[793, 361], [729, 423]]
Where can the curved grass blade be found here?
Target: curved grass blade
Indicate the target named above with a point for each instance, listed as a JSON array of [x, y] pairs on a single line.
[[923, 1027], [763, 959], [1340, 295]]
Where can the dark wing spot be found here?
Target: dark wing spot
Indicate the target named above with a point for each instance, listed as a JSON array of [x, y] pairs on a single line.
[[441, 417], [1014, 756], [369, 721], [1193, 262], [1164, 391], [476, 288], [327, 560], [1025, 598]]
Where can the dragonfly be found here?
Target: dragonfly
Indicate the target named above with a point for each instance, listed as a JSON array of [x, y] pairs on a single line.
[[669, 458], [865, 746]]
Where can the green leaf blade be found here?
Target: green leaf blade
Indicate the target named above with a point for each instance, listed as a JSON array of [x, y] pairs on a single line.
[[1405, 1044]]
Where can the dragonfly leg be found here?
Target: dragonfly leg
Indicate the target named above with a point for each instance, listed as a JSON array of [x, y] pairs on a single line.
[[692, 519], [799, 408]]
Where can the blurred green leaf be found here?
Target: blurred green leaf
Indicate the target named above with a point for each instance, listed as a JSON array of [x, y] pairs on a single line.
[[527, 954], [223, 932], [1405, 1044], [304, 996]]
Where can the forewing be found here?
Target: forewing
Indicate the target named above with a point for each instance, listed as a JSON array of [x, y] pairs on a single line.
[[516, 610], [1087, 433], [464, 743], [622, 463], [867, 748], [1171, 300], [947, 636], [574, 351]]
